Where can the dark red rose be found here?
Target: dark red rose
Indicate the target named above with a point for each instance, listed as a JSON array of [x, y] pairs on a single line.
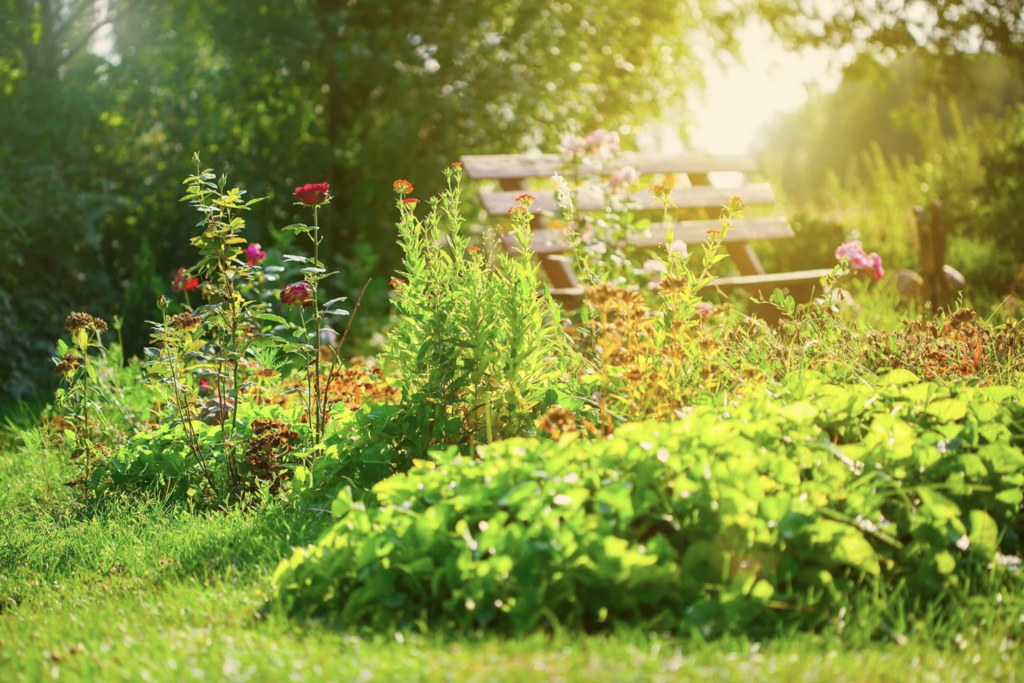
[[297, 293], [312, 194]]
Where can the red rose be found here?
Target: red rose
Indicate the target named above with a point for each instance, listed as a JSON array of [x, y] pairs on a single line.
[[183, 282], [297, 293], [402, 187], [312, 194]]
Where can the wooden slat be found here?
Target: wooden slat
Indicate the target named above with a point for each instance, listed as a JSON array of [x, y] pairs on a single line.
[[694, 232], [774, 280], [798, 278], [548, 242], [704, 196], [511, 166]]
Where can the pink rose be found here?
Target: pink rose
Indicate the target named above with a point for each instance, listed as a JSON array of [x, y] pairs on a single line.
[[854, 253], [254, 254]]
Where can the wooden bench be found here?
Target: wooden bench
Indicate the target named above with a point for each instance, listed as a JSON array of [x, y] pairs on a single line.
[[513, 171]]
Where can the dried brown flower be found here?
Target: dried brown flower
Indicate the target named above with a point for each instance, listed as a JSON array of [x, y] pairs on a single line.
[[558, 421], [68, 364], [185, 321], [79, 321]]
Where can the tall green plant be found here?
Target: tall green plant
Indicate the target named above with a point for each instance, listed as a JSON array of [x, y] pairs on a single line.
[[476, 346]]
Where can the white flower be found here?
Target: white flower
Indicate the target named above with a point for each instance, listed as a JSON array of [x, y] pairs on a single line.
[[563, 195], [679, 247]]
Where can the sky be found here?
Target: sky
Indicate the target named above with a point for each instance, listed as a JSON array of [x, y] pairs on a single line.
[[743, 97]]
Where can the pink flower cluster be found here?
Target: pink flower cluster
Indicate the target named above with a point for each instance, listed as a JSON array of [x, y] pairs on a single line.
[[601, 142], [623, 177], [854, 253]]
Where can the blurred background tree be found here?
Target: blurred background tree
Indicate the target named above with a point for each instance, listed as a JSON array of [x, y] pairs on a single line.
[[103, 101]]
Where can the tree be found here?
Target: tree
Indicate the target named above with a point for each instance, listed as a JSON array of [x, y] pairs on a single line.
[[945, 29], [283, 92]]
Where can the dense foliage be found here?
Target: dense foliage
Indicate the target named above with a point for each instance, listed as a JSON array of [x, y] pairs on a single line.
[[785, 506], [101, 104]]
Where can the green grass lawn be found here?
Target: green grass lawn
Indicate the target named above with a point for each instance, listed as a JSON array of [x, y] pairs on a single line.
[[149, 593]]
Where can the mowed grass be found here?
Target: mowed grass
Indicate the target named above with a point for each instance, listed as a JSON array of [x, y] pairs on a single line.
[[141, 591]]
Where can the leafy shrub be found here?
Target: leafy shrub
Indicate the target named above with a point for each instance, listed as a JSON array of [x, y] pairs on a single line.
[[785, 507]]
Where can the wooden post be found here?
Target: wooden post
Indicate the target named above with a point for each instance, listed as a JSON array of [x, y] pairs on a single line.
[[931, 235]]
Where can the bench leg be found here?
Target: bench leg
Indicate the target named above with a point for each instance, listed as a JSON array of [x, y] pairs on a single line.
[[745, 259]]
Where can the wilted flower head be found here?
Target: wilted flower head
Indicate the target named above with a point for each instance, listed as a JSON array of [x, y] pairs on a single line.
[[624, 177], [68, 364], [254, 254], [78, 321], [402, 187], [558, 421], [185, 321], [675, 283], [297, 293], [312, 194], [182, 282], [854, 253]]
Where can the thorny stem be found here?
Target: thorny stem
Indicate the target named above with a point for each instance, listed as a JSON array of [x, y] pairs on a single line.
[[319, 426], [309, 390]]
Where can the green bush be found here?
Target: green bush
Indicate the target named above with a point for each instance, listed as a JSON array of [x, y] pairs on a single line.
[[784, 508]]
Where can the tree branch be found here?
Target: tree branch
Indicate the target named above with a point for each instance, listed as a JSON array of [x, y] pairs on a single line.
[[92, 32]]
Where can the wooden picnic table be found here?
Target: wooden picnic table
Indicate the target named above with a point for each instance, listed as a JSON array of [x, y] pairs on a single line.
[[514, 171]]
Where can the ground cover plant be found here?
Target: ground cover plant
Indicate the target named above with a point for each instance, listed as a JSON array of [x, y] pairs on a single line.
[[657, 465]]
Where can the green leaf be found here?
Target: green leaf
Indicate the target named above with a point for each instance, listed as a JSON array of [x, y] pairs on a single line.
[[898, 377], [984, 533], [945, 563], [937, 505], [947, 410]]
